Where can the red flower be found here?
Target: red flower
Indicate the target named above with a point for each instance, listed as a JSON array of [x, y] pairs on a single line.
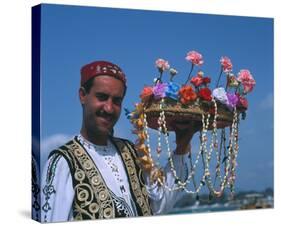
[[206, 80], [205, 94], [146, 93], [242, 101], [196, 81], [187, 94]]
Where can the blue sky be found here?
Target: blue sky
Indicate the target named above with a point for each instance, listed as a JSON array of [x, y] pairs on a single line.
[[134, 39]]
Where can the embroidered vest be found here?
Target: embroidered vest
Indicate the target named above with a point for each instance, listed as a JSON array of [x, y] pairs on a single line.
[[93, 199]]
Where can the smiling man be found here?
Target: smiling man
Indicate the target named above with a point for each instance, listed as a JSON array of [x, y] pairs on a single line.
[[95, 175], [101, 107]]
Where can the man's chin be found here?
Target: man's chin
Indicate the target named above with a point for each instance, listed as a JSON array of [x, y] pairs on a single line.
[[105, 131], [101, 129]]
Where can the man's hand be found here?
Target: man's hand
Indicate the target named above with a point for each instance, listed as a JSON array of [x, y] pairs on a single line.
[[184, 133]]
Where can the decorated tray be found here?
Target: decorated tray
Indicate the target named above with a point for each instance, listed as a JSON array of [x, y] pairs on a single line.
[[196, 101]]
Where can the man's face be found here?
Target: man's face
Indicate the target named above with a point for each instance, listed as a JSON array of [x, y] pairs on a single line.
[[102, 105]]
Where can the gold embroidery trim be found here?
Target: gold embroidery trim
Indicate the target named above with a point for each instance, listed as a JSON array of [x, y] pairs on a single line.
[[135, 181], [97, 188]]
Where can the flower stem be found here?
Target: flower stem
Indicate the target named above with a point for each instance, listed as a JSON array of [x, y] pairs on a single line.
[[219, 78], [192, 66], [227, 78], [159, 78], [171, 78], [237, 87]]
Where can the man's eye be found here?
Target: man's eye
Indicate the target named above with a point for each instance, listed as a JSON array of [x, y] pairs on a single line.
[[102, 97], [118, 101]]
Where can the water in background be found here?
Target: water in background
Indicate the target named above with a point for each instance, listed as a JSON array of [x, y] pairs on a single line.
[[242, 200]]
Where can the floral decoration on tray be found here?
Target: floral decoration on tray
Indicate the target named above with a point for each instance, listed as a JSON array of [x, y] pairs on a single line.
[[165, 102]]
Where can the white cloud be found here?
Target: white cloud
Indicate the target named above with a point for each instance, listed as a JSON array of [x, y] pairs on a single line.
[[54, 141], [267, 102]]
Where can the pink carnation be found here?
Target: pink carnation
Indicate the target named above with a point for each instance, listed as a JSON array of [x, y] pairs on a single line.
[[162, 64], [195, 58], [226, 64], [247, 80]]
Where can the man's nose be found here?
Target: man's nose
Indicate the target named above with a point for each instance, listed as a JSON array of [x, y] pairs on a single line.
[[108, 107]]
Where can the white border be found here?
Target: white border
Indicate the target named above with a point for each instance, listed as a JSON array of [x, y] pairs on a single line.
[[15, 88]]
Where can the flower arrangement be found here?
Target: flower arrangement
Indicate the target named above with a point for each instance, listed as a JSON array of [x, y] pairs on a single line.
[[198, 87], [163, 102]]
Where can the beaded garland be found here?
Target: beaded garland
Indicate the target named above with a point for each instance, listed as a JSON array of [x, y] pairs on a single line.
[[186, 96]]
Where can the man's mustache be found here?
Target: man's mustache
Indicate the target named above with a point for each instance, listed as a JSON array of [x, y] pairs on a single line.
[[105, 114]]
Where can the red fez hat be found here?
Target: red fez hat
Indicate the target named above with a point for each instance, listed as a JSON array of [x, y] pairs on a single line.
[[101, 68]]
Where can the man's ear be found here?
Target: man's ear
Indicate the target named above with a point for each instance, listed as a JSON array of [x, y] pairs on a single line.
[[82, 95]]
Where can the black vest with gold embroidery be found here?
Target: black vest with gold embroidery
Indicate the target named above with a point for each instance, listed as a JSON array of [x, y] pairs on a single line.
[[93, 199]]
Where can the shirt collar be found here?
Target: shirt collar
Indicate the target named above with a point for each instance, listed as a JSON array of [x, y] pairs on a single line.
[[91, 146]]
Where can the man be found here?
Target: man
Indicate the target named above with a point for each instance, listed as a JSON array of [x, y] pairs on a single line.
[[95, 175]]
